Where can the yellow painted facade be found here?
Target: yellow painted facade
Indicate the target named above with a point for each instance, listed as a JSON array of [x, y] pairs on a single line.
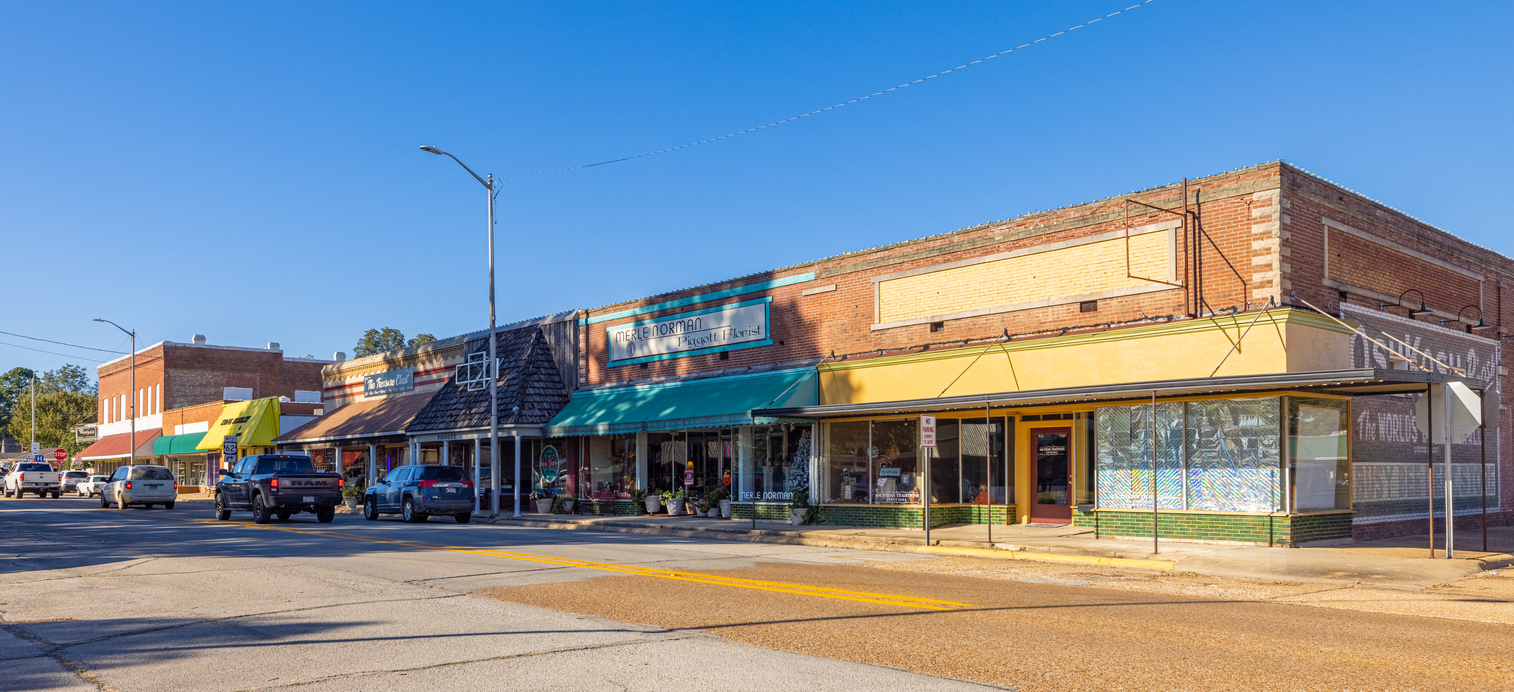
[[1282, 340], [1038, 277]]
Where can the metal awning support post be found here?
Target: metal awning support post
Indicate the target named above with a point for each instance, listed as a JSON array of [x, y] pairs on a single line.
[[988, 463], [1155, 546], [1430, 461], [478, 448], [1482, 447], [1450, 498]]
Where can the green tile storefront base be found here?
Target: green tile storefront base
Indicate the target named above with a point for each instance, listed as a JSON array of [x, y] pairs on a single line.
[[1262, 529], [897, 517], [616, 508], [764, 511]]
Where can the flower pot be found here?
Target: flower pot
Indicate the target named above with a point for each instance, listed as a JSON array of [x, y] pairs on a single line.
[[544, 506], [351, 502], [675, 506], [567, 506], [725, 508], [653, 505], [796, 516]]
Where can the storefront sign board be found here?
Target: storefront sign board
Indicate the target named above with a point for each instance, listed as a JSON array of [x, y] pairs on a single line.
[[725, 328], [391, 382]]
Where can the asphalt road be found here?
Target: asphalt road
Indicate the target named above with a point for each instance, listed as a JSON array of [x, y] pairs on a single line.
[[171, 599]]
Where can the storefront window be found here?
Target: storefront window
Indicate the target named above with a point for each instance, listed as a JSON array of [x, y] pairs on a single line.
[[1233, 453], [1084, 464], [667, 453], [549, 465], [872, 463], [980, 464], [1124, 438], [612, 467], [1218, 455], [780, 463], [1318, 454], [712, 457]]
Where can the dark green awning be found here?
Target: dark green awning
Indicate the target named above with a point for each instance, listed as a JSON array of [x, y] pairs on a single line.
[[177, 444], [709, 403]]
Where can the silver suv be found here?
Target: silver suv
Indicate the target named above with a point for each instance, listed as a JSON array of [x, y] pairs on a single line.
[[140, 485]]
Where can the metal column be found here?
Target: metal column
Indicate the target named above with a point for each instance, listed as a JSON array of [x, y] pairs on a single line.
[[372, 464], [478, 448], [515, 486]]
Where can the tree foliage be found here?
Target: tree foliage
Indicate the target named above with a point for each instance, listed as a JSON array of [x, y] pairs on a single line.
[[387, 339], [58, 413], [379, 341], [13, 385]]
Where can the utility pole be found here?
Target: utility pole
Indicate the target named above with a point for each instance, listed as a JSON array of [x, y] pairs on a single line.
[[133, 396], [34, 408]]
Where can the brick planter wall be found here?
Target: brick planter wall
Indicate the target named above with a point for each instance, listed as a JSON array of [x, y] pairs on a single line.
[[1231, 528], [1307, 528], [896, 517], [618, 508], [764, 511]]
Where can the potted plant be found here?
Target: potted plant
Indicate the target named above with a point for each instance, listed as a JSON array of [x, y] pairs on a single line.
[[650, 500], [675, 503], [542, 502], [799, 507], [720, 501], [562, 504], [352, 496]]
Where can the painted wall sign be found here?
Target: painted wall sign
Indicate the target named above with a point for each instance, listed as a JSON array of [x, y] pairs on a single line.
[[726, 328], [392, 382]]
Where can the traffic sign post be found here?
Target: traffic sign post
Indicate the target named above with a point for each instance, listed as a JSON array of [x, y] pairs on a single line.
[[927, 445], [229, 452]]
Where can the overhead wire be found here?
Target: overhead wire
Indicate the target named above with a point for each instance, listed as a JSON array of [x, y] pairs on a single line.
[[838, 105], [61, 343]]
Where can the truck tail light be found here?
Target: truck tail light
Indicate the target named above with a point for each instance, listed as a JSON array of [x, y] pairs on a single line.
[[273, 483], [468, 484], [341, 483], [21, 478]]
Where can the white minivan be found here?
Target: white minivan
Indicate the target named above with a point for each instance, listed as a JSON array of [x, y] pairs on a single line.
[[140, 485]]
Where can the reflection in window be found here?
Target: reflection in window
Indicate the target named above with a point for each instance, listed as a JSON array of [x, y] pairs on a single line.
[[612, 467], [1319, 466], [549, 465], [779, 465], [1124, 436], [1233, 451]]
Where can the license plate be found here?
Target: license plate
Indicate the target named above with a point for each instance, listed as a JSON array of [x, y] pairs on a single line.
[[154, 485], [452, 490], [308, 499]]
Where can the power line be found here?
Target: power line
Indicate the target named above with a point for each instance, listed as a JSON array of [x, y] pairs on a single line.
[[60, 343], [844, 103], [55, 353]]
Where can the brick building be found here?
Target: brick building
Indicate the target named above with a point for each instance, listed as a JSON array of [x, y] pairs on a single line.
[[181, 388], [1250, 353]]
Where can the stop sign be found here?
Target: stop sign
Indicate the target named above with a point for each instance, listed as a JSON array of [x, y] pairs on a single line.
[[59, 454]]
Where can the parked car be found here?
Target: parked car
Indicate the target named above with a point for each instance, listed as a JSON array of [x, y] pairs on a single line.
[[32, 477], [140, 485], [417, 492], [91, 486], [278, 485], [72, 479]]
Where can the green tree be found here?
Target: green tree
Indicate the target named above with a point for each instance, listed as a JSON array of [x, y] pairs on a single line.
[[13, 386], [67, 378], [57, 415], [420, 339], [379, 341]]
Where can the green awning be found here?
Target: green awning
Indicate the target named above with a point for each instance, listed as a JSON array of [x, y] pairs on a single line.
[[177, 444], [709, 403]]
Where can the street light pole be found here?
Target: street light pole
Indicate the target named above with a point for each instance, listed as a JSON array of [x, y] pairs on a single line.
[[133, 396], [493, 357]]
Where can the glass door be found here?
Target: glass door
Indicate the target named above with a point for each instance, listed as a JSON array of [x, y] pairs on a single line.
[[1051, 452]]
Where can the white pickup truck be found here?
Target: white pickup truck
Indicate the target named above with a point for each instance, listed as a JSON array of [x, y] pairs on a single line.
[[32, 477]]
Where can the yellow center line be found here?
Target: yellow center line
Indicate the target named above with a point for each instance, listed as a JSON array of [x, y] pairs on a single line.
[[755, 584]]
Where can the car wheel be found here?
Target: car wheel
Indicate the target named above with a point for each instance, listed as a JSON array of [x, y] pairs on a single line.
[[408, 513], [370, 510], [223, 512], [168, 505], [80, 493], [260, 513], [104, 502], [56, 494], [119, 503], [325, 514], [463, 518]]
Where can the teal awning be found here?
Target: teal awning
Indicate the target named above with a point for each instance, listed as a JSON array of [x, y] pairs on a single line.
[[177, 444], [709, 403]]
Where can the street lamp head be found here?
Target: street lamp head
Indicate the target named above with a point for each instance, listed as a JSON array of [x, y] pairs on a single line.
[[434, 150]]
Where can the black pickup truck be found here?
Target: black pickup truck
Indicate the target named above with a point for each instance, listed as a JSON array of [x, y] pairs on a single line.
[[278, 485]]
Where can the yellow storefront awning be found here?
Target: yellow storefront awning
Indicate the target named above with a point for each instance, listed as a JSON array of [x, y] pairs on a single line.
[[255, 423]]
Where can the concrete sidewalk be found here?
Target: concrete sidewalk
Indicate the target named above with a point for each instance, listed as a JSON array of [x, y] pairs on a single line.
[[1399, 562]]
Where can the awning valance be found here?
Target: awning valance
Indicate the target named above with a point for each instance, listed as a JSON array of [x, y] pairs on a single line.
[[178, 444], [255, 423], [714, 402], [119, 446]]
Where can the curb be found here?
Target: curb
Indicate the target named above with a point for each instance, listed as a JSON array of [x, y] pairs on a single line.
[[958, 548]]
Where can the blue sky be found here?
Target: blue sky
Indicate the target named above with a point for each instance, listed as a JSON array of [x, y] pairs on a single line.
[[249, 171]]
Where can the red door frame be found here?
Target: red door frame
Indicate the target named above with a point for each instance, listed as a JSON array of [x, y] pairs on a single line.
[[1049, 514]]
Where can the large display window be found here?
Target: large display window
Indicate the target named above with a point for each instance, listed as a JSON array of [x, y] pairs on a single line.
[[1319, 461], [1217, 455], [779, 463], [611, 471], [549, 464]]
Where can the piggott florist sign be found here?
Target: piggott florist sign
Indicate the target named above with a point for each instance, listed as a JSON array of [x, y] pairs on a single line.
[[726, 328]]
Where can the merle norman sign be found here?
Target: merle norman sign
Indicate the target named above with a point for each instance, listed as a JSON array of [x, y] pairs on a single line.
[[726, 328], [392, 382]]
